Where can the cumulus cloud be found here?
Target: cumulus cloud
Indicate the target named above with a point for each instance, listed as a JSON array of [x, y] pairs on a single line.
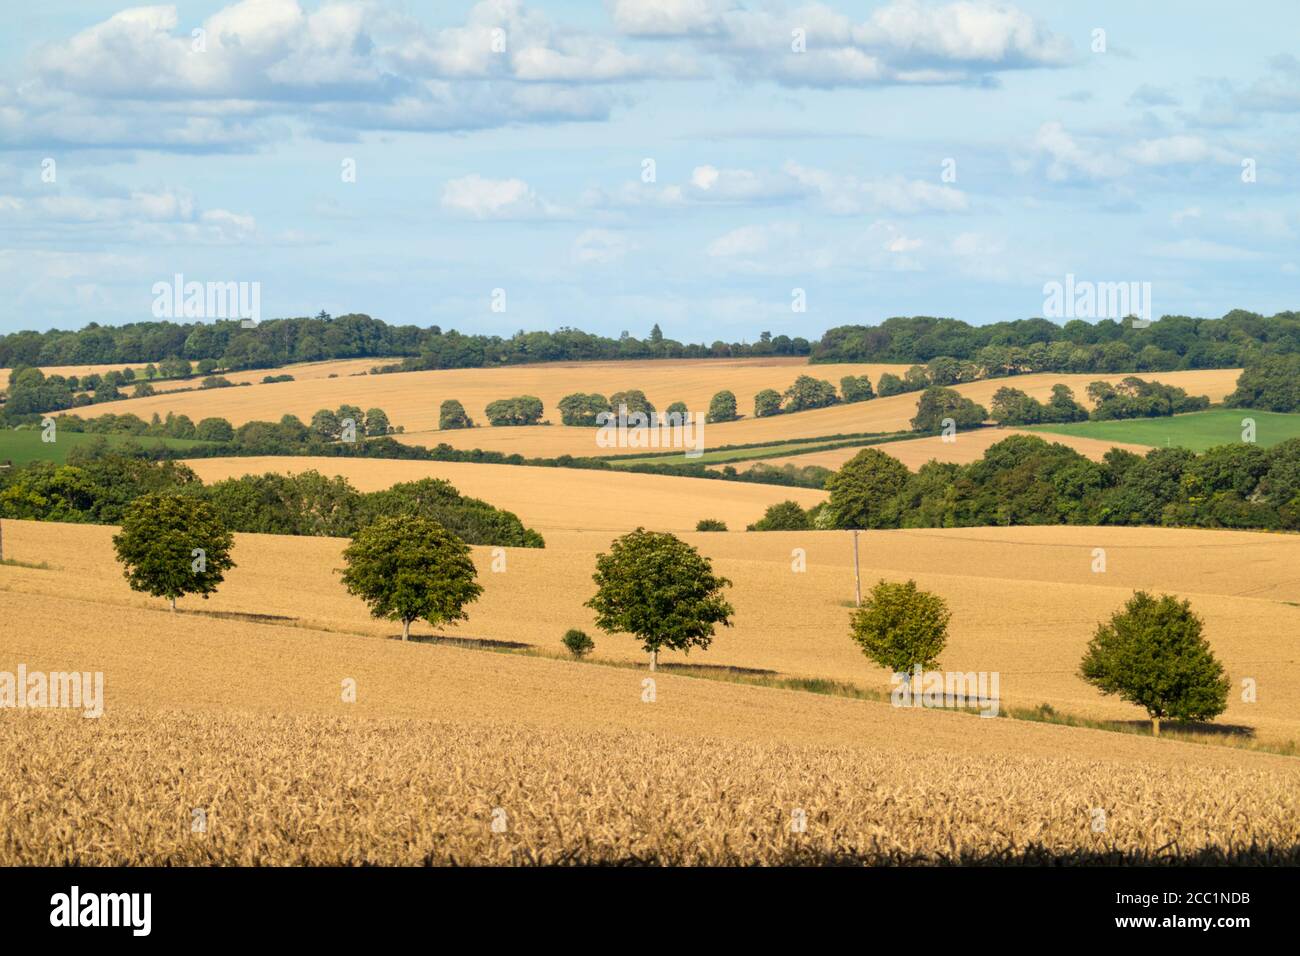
[[835, 193], [480, 198], [904, 42], [143, 77]]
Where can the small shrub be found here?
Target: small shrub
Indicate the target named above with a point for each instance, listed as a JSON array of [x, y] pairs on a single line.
[[710, 524], [578, 643]]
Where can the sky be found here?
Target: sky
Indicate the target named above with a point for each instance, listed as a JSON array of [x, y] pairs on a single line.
[[718, 167]]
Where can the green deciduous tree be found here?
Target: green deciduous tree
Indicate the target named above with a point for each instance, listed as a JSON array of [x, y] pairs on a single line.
[[660, 589], [767, 402], [1153, 654], [900, 626], [172, 545], [856, 388], [722, 408], [580, 409], [409, 568], [937, 403], [861, 490], [451, 414], [807, 392], [520, 410], [578, 643]]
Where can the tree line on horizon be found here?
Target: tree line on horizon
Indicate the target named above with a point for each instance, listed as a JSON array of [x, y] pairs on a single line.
[[1021, 345]]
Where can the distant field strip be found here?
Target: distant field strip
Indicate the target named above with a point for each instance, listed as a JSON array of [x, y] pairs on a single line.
[[25, 445], [1196, 431]]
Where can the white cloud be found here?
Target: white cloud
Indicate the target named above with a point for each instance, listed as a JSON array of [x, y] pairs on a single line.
[[904, 42], [481, 198], [600, 246]]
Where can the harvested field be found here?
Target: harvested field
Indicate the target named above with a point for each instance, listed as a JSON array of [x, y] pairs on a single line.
[[411, 399], [246, 723], [969, 446], [549, 498], [1024, 600]]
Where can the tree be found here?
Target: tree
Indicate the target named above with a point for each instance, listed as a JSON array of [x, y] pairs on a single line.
[[722, 408], [861, 490], [580, 409], [807, 392], [890, 384], [578, 643], [901, 627], [767, 402], [634, 401], [937, 403], [520, 410], [214, 429], [856, 388], [377, 423], [452, 414], [679, 409], [710, 524], [325, 425], [660, 589], [172, 545], [782, 516], [1271, 384], [1153, 654], [407, 568], [1011, 406]]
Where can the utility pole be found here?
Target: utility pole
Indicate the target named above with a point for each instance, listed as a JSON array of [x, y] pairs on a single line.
[[857, 574]]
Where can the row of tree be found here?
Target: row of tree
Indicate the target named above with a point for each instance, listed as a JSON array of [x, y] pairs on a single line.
[[1024, 480], [410, 567], [1130, 398], [100, 490], [1037, 345], [1152, 653], [274, 342]]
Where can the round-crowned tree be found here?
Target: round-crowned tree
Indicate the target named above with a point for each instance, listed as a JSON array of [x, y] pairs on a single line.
[[452, 414], [578, 643], [1153, 654], [172, 545], [657, 587], [409, 568], [862, 488], [722, 408], [899, 626]]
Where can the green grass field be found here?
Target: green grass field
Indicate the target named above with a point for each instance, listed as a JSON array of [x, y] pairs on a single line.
[[1197, 431], [24, 446]]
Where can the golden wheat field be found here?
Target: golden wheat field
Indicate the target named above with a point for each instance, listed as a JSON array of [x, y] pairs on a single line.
[[964, 448], [411, 399], [228, 741], [548, 498], [1024, 600]]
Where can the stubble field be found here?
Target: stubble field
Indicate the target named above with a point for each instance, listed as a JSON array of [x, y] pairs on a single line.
[[231, 742], [412, 399]]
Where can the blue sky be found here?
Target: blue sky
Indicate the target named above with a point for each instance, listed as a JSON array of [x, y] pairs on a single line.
[[523, 169]]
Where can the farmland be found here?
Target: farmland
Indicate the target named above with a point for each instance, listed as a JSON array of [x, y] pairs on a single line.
[[411, 399], [1196, 430], [548, 498], [966, 446], [23, 445], [1024, 600], [245, 721]]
